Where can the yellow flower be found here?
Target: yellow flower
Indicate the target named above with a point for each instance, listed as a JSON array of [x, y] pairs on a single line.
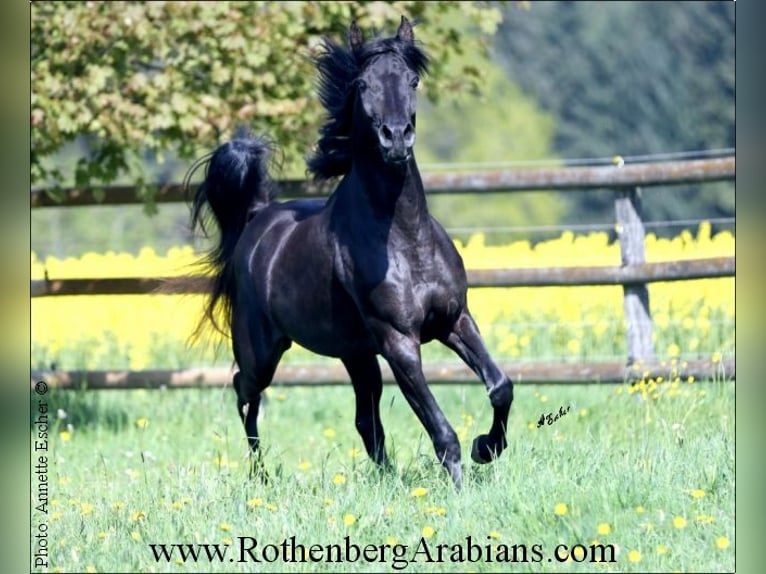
[[354, 452], [328, 432], [561, 509], [271, 507], [225, 526], [673, 350], [573, 346], [56, 515], [604, 528], [137, 515], [697, 493], [437, 510], [349, 519], [428, 531], [101, 535], [640, 509], [177, 505], [634, 556], [391, 540], [327, 501], [86, 508], [494, 534], [705, 519], [722, 542], [662, 549], [679, 522], [716, 358], [419, 491], [339, 479], [118, 505], [65, 436], [135, 536], [142, 423], [255, 502], [90, 568], [304, 465]]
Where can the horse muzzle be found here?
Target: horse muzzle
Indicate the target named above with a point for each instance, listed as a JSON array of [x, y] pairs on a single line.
[[396, 141]]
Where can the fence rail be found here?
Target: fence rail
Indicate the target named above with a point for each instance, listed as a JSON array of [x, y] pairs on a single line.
[[448, 373], [569, 178], [477, 278], [633, 274]]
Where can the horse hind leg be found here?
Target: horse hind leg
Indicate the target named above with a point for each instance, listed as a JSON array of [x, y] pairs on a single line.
[[466, 341], [256, 372]]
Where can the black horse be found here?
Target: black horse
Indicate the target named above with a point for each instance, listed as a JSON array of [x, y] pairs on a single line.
[[367, 272]]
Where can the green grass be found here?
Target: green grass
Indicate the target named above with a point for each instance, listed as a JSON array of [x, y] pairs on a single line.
[[117, 486]]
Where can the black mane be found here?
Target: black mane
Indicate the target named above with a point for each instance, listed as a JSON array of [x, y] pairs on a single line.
[[338, 68]]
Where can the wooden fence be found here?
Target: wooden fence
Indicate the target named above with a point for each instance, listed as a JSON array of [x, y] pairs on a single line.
[[633, 274]]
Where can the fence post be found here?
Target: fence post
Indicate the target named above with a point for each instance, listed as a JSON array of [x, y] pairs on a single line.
[[630, 231]]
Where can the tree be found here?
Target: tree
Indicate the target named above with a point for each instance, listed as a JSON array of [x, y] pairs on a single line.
[[176, 78], [631, 78]]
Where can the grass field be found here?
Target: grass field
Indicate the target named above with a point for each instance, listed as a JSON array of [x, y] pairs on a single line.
[[648, 470]]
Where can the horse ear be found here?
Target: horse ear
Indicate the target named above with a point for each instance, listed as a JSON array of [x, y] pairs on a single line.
[[405, 33], [355, 36]]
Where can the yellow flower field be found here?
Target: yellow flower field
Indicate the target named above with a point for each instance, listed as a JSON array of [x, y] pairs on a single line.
[[692, 318]]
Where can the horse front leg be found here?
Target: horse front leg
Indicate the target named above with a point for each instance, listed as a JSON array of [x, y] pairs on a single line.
[[403, 355], [466, 341]]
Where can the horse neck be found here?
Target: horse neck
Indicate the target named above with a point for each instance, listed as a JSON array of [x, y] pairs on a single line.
[[394, 195]]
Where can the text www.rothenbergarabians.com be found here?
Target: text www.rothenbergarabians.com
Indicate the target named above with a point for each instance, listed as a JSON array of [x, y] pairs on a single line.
[[247, 549]]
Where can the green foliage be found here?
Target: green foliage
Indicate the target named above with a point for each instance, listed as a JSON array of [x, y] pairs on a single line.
[[631, 78], [177, 78]]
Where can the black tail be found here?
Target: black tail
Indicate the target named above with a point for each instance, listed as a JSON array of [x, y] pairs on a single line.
[[236, 185]]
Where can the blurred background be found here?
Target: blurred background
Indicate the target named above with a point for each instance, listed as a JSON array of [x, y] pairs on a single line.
[[134, 94]]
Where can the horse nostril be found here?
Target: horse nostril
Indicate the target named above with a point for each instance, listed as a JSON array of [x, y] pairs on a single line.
[[387, 134], [408, 130]]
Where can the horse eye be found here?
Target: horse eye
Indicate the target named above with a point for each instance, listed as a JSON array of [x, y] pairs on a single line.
[[361, 85], [414, 83]]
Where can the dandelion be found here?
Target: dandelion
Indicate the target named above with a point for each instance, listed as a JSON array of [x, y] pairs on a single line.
[[391, 540], [328, 432], [494, 535], [705, 519], [304, 465], [436, 510], [561, 509], [419, 491], [86, 508], [135, 535], [349, 519], [90, 568], [679, 522], [137, 515], [339, 479], [142, 423], [673, 350], [722, 542], [56, 515], [583, 412], [716, 358], [327, 501], [634, 556], [225, 526], [354, 452], [228, 541], [177, 505], [101, 535], [697, 493], [65, 436], [428, 531], [118, 505], [531, 426], [281, 397], [604, 529], [271, 507]]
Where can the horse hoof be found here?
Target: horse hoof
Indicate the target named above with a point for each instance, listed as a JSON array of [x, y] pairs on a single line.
[[481, 452]]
